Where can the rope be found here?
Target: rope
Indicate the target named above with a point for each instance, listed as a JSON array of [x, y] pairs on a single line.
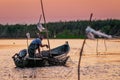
[[75, 52], [104, 45]]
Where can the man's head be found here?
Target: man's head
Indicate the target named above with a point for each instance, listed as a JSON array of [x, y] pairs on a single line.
[[41, 37]]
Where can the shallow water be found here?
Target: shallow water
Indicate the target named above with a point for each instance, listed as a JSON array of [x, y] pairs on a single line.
[[105, 66]]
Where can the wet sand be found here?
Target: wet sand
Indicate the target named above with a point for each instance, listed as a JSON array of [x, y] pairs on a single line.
[[105, 66]]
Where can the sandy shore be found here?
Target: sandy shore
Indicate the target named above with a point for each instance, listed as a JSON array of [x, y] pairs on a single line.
[[105, 66]]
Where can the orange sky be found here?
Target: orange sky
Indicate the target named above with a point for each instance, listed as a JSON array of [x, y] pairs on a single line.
[[28, 11]]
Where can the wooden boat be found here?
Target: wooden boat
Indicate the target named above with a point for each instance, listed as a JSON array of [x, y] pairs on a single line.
[[54, 57]]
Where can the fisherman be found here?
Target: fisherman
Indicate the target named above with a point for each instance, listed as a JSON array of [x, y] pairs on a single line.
[[35, 45], [91, 33]]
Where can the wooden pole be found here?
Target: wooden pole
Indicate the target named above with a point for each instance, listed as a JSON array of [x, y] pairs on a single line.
[[40, 18], [97, 47], [45, 25], [91, 17], [105, 45], [28, 37], [80, 58], [82, 51]]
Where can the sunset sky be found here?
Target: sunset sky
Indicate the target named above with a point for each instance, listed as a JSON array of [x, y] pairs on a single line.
[[28, 11]]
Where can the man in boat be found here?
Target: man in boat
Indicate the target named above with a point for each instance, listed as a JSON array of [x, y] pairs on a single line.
[[91, 33], [35, 45]]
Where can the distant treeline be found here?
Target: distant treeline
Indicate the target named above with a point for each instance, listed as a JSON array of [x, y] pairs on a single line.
[[70, 29]]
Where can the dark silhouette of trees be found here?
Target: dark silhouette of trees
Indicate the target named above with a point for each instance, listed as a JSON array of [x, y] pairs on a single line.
[[71, 29]]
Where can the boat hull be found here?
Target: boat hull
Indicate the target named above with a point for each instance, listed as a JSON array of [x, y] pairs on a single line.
[[58, 58]]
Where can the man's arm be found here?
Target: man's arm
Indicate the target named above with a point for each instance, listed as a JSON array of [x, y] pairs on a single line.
[[44, 45]]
